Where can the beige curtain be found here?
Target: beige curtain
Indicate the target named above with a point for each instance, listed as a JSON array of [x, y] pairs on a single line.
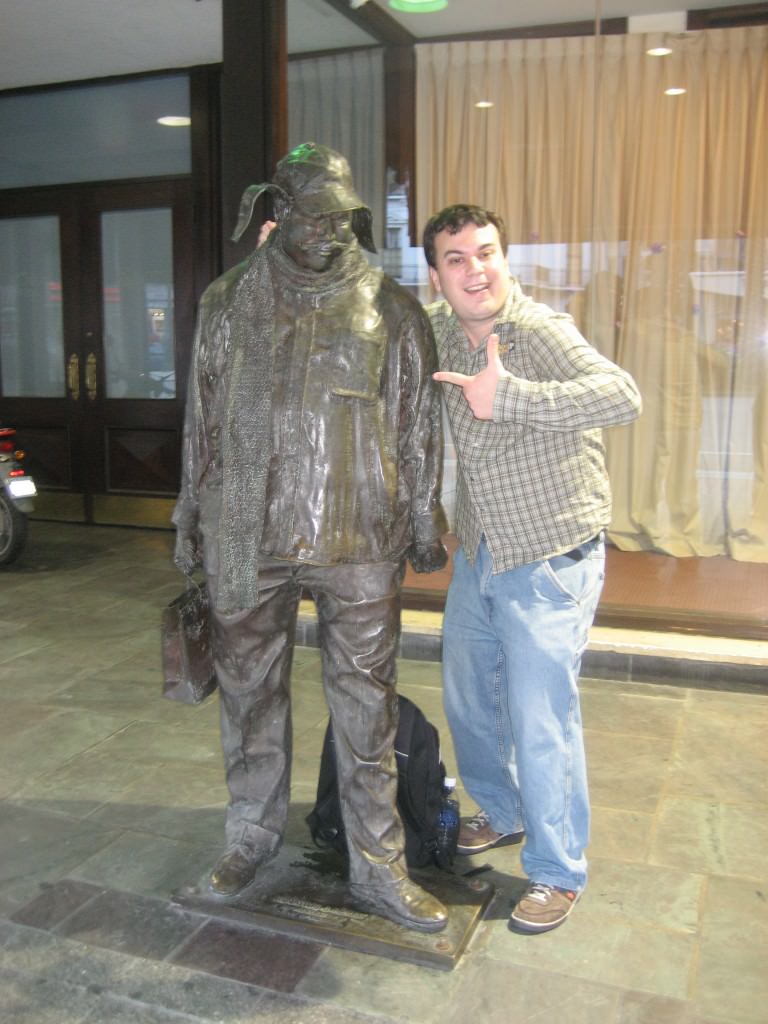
[[645, 215], [338, 101]]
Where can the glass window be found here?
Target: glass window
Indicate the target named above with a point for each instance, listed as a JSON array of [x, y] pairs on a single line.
[[31, 334], [95, 132], [664, 277], [137, 263]]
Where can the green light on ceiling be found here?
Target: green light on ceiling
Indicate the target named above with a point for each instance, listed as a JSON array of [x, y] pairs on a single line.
[[418, 6]]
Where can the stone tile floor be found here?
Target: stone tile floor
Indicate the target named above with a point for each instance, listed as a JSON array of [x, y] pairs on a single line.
[[111, 798]]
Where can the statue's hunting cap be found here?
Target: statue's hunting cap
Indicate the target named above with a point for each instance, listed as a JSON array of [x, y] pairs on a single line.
[[318, 180]]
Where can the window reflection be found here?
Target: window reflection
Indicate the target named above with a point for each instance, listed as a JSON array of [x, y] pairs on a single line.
[[138, 304], [94, 132], [31, 333]]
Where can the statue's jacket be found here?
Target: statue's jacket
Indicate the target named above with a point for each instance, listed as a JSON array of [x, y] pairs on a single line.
[[313, 429]]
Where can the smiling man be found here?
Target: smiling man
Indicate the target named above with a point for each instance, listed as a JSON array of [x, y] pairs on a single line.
[[526, 397]]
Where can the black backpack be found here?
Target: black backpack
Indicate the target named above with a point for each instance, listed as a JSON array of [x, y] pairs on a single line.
[[430, 816]]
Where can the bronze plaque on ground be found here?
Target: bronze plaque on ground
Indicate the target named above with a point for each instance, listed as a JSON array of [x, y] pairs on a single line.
[[303, 893]]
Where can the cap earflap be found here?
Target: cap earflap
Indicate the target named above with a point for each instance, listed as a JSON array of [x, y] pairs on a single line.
[[248, 201], [362, 225]]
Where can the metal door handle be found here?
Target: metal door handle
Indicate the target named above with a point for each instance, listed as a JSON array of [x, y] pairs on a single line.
[[91, 376], [73, 376]]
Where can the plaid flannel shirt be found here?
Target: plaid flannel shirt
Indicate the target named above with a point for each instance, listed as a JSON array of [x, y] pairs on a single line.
[[532, 480]]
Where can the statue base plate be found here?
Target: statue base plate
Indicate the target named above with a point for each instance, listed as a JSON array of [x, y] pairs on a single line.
[[303, 893]]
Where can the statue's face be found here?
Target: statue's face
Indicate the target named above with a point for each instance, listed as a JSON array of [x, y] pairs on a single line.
[[315, 242]]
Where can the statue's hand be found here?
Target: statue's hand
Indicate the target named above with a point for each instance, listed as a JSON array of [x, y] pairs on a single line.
[[428, 557], [187, 555]]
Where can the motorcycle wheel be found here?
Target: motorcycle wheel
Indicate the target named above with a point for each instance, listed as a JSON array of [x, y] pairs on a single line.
[[13, 530]]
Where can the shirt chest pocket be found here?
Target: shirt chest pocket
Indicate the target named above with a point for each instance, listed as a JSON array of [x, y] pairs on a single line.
[[352, 358]]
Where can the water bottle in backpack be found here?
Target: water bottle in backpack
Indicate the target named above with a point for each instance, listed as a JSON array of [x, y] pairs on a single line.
[[448, 826]]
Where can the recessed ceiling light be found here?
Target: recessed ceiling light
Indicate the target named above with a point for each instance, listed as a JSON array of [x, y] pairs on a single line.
[[418, 6], [484, 104], [675, 91], [173, 121], [659, 51]]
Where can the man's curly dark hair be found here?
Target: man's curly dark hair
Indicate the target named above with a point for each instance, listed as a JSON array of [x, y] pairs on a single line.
[[454, 218]]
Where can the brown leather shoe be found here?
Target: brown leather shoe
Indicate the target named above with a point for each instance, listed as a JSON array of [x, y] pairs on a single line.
[[477, 836], [403, 902], [236, 869]]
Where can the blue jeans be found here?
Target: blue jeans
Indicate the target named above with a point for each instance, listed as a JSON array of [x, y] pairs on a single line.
[[512, 647]]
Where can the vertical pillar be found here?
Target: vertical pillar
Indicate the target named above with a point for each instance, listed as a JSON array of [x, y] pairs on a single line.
[[400, 126], [254, 109]]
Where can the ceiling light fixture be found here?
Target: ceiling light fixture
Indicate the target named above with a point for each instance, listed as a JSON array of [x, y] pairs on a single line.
[[484, 104], [173, 121], [675, 91], [659, 51], [418, 6]]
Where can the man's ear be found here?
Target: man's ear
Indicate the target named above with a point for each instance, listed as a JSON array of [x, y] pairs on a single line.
[[435, 278]]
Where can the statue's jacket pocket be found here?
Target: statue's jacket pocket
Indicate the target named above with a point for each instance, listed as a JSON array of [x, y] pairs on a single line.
[[352, 357]]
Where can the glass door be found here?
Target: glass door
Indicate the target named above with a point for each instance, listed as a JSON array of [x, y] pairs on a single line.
[[96, 311]]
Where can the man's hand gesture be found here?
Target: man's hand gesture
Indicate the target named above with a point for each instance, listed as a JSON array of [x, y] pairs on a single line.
[[480, 389]]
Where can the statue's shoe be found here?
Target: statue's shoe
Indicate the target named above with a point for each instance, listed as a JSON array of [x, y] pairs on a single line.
[[236, 869], [403, 902]]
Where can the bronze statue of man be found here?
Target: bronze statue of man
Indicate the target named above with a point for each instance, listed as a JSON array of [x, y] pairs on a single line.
[[312, 461]]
